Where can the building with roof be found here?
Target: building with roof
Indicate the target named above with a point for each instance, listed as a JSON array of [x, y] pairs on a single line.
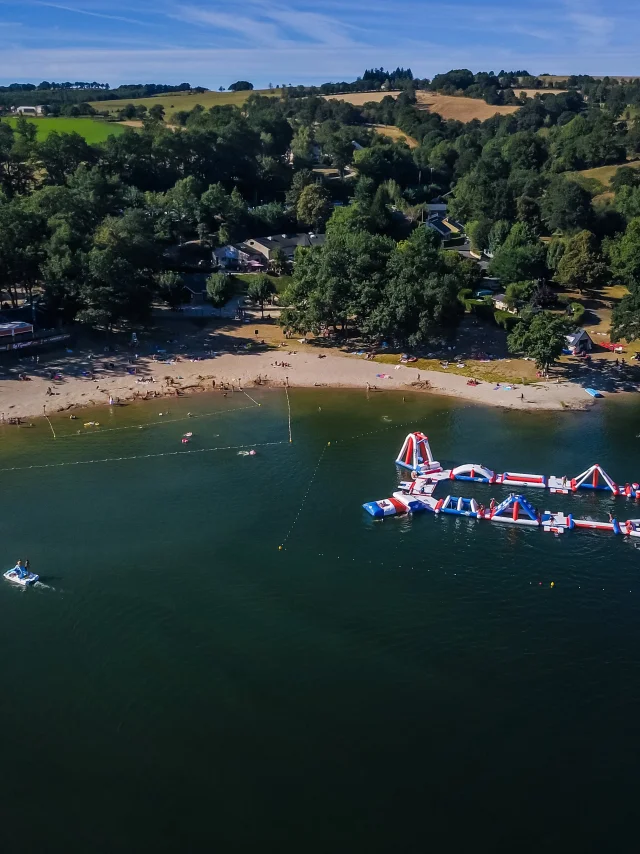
[[288, 243], [579, 341]]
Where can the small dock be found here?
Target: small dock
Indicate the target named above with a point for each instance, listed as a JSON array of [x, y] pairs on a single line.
[[559, 485]]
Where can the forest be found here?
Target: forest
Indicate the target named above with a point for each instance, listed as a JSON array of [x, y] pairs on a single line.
[[88, 229]]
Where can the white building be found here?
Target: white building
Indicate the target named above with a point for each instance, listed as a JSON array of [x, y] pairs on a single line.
[[31, 111]]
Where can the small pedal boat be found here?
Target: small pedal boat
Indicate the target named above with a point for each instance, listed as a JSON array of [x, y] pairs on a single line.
[[24, 578]]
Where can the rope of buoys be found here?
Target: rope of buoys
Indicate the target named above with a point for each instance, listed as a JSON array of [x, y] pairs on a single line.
[[155, 423], [373, 432], [286, 391], [51, 425], [306, 495], [140, 456], [250, 398]]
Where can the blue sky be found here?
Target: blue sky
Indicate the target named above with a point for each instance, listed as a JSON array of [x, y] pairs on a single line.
[[214, 42]]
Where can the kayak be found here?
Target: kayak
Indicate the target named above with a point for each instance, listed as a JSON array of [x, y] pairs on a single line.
[[24, 580]]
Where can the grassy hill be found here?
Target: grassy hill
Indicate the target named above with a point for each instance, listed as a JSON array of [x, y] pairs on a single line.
[[394, 133], [90, 129], [175, 101], [598, 180]]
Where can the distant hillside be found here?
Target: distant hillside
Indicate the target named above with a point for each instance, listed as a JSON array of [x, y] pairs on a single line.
[[63, 94], [175, 101]]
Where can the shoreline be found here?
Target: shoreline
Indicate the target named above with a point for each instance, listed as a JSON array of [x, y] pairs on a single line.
[[157, 380]]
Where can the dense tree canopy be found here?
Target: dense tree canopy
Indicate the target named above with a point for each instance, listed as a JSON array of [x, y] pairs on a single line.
[[95, 229]]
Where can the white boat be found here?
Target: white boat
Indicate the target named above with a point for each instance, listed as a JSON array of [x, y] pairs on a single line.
[[24, 580]]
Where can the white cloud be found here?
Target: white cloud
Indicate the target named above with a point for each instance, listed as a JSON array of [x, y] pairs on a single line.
[[254, 30], [270, 25], [89, 13]]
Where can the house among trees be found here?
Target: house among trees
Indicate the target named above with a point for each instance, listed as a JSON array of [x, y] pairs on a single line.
[[288, 243], [579, 342], [446, 228], [500, 303], [255, 254]]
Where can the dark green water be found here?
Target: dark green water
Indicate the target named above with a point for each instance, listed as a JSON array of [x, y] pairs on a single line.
[[405, 686]]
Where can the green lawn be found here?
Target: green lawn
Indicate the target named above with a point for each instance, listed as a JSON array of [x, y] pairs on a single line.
[[175, 101], [90, 129]]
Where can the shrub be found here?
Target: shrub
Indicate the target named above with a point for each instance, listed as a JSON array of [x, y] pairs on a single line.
[[505, 320], [576, 313], [464, 296]]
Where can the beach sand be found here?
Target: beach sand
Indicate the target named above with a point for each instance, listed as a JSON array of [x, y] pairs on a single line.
[[304, 369]]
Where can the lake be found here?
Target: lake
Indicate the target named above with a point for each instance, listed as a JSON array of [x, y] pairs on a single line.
[[416, 684]]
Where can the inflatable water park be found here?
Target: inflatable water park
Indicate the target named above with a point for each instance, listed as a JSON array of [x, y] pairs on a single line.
[[428, 476]]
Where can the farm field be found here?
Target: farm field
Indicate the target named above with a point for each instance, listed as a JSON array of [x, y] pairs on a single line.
[[448, 106], [90, 129], [459, 108], [531, 93], [175, 101], [360, 98]]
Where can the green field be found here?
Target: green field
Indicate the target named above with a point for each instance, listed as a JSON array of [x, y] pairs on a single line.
[[175, 101], [91, 130]]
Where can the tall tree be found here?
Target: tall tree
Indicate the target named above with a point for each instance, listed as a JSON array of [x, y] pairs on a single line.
[[541, 337], [219, 290], [118, 284], [522, 256], [421, 297], [260, 290], [566, 206], [582, 265], [314, 207]]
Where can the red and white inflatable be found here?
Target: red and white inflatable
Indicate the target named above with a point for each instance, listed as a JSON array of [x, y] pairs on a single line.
[[594, 478], [416, 454]]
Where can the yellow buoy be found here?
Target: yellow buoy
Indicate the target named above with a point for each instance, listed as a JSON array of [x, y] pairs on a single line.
[[553, 584], [279, 548]]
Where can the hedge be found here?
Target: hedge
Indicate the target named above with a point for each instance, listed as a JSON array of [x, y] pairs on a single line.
[[505, 319]]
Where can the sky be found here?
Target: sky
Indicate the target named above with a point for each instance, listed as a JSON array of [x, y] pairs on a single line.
[[212, 43]]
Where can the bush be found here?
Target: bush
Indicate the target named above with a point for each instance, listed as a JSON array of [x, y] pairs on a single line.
[[505, 320], [576, 313]]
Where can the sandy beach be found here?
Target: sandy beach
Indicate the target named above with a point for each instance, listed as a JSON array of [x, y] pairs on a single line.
[[28, 399]]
